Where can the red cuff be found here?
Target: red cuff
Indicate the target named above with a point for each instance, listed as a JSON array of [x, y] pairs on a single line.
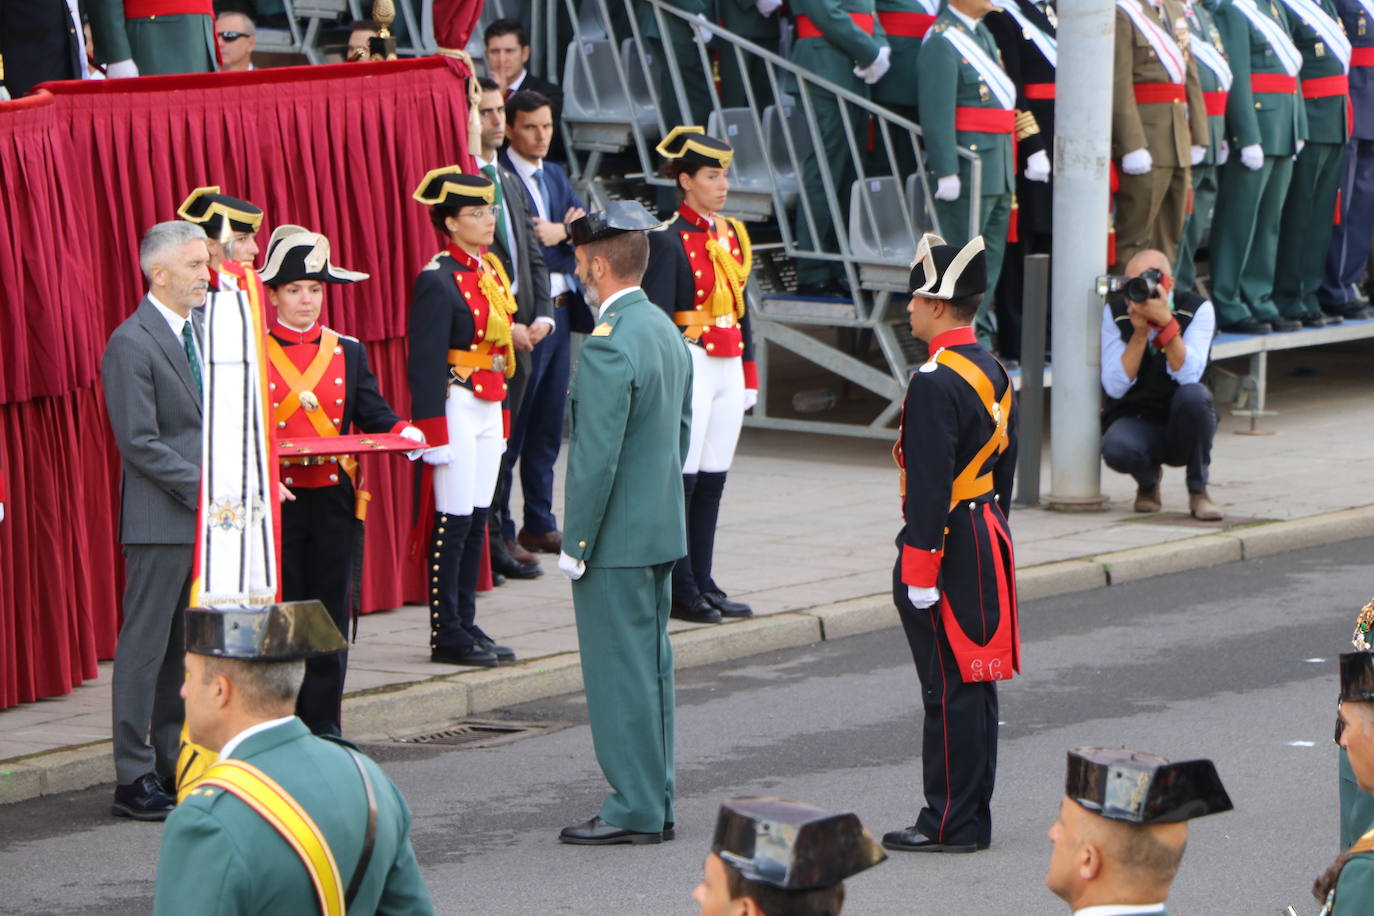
[[435, 430], [920, 567], [400, 425], [751, 375]]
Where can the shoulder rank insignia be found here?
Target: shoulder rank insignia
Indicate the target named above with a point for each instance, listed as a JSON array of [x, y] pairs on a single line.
[[602, 330], [433, 262]]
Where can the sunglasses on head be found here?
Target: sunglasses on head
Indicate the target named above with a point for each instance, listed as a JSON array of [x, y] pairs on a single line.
[[232, 36]]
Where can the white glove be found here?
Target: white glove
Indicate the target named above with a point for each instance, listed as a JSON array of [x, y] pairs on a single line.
[[704, 33], [1223, 152], [767, 8], [1037, 166], [947, 188], [121, 69], [1198, 153], [1137, 162], [751, 397], [1252, 157], [1301, 144], [874, 71], [922, 598], [414, 435], [439, 455], [571, 568]]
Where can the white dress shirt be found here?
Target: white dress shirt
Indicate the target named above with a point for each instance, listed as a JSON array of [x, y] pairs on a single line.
[[1197, 339], [174, 321], [525, 169], [233, 743], [1120, 910], [965, 19]]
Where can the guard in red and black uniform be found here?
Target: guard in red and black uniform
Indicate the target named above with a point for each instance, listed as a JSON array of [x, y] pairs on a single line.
[[320, 385], [461, 354], [698, 268], [955, 581]]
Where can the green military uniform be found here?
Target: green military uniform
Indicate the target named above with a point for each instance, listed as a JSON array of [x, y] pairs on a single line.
[[948, 85], [1202, 29], [1150, 208], [182, 42], [221, 856], [1355, 887], [630, 412], [833, 38], [683, 38], [1245, 226], [744, 19], [1305, 229], [905, 23]]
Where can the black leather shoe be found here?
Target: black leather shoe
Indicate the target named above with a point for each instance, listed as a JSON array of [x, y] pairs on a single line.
[[727, 608], [497, 580], [669, 832], [597, 832], [1248, 325], [505, 564], [475, 656], [502, 653], [1286, 324], [913, 840], [698, 611], [1316, 320], [143, 800]]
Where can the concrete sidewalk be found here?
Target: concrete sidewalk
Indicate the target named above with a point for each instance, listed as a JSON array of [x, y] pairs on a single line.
[[806, 537]]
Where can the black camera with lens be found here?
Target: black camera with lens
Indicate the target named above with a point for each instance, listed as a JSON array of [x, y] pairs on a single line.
[[1136, 289]]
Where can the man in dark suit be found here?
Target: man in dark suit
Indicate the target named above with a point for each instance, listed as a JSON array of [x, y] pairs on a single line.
[[538, 434], [152, 373], [40, 40], [506, 47], [519, 251]]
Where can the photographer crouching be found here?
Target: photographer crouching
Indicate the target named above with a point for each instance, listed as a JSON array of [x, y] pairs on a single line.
[[1156, 342]]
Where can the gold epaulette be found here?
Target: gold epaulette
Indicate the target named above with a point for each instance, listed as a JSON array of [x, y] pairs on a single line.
[[1026, 125]]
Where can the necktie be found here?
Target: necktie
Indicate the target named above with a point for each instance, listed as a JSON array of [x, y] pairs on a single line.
[[188, 341], [502, 228], [544, 193]]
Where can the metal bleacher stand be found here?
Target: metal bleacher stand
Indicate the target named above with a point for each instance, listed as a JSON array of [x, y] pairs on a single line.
[[305, 18], [612, 77]]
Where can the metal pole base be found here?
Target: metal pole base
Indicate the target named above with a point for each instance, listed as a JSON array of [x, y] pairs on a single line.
[[1254, 416], [1096, 503]]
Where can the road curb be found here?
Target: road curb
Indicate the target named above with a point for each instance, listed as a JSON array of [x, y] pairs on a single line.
[[408, 708]]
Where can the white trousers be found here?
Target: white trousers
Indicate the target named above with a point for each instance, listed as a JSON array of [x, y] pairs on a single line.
[[476, 436], [717, 411]]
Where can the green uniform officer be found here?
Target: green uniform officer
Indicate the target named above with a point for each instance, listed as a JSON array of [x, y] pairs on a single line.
[[683, 37], [150, 37], [285, 822], [905, 23], [630, 414], [1265, 120], [1158, 115], [1305, 229], [834, 38], [1347, 887], [967, 99], [1214, 77], [758, 21]]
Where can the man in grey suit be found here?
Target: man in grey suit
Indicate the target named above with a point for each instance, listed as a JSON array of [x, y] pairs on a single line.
[[523, 257], [152, 375]]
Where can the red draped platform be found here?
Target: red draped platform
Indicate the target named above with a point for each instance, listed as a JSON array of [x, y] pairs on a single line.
[[85, 169]]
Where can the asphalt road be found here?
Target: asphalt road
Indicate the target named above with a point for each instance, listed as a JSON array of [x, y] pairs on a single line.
[[1236, 663]]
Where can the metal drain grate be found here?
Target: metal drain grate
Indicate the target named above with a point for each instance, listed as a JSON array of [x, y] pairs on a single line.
[[481, 733]]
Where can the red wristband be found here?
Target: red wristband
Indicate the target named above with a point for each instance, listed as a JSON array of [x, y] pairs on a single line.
[[1166, 334]]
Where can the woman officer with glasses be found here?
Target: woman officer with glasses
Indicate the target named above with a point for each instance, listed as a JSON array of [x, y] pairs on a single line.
[[461, 353]]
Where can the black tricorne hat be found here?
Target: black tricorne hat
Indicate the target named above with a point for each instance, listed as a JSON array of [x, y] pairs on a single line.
[[275, 633], [208, 208], [943, 271], [792, 846], [450, 186], [691, 145], [302, 255], [1357, 677], [1124, 785], [619, 216]]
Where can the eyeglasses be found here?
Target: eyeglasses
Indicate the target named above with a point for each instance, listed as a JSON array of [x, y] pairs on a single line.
[[483, 212], [227, 37]]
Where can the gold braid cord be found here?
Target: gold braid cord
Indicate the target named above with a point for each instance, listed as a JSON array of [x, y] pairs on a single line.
[[501, 306], [731, 275], [474, 96], [1362, 625]]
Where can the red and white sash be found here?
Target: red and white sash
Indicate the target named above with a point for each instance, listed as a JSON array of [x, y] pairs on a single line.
[[998, 82], [1330, 32], [1033, 33], [1211, 57], [1166, 49], [1279, 42]]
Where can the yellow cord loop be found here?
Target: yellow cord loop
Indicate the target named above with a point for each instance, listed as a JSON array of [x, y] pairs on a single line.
[[494, 284]]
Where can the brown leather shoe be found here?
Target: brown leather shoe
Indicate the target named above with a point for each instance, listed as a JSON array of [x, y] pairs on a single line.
[[1148, 500], [548, 542], [520, 554], [1202, 507]]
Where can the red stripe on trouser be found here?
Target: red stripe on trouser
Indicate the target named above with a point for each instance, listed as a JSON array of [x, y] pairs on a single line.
[[1273, 82], [808, 29], [1158, 93]]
